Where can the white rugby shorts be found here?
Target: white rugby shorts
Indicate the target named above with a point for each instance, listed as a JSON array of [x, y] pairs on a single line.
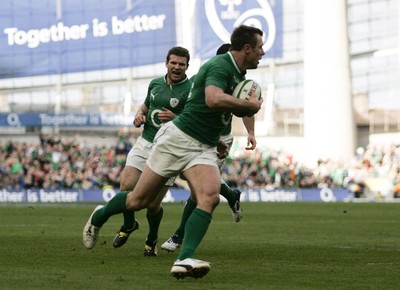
[[174, 151], [138, 155]]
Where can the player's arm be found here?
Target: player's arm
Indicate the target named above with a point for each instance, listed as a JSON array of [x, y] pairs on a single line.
[[140, 117], [218, 100], [251, 139]]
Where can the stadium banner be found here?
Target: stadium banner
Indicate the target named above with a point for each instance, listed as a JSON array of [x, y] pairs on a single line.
[[173, 195], [55, 37], [215, 21], [65, 120]]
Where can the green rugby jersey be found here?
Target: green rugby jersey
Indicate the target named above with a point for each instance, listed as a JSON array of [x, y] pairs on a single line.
[[198, 120], [228, 127], [162, 95]]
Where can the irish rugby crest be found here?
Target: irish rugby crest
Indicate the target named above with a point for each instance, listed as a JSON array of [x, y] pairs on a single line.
[[173, 102]]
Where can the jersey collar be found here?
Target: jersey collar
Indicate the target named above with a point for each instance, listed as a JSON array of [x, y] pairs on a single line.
[[182, 81], [234, 63]]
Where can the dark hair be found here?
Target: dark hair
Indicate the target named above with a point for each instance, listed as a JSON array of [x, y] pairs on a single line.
[[223, 48], [179, 51], [244, 35]]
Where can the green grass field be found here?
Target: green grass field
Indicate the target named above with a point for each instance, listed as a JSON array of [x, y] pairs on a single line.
[[275, 246]]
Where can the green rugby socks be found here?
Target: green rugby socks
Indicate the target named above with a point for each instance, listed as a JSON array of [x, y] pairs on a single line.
[[228, 193], [190, 205], [116, 205], [154, 224], [195, 230]]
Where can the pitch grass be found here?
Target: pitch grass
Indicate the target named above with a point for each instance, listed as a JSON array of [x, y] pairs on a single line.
[[275, 246]]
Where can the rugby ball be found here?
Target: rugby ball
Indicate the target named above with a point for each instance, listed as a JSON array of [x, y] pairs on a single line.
[[243, 89]]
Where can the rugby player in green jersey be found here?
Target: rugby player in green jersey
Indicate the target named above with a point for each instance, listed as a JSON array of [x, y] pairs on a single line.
[[208, 109], [188, 144], [231, 195], [166, 98]]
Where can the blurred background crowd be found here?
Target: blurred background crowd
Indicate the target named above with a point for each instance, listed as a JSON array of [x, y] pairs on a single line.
[[57, 163], [68, 163]]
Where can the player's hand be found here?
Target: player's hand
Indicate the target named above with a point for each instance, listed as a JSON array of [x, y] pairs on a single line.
[[139, 120], [222, 150], [251, 142], [166, 115], [256, 102]]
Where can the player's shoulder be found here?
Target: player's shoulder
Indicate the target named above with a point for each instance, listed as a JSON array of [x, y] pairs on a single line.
[[220, 59], [157, 81], [221, 62]]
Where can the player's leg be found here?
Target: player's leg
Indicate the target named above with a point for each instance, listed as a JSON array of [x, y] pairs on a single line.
[[129, 177], [233, 198], [142, 195], [205, 181], [154, 216], [146, 190], [175, 241], [135, 163], [167, 159], [100, 215]]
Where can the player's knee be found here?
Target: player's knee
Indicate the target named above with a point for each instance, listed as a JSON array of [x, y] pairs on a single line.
[[215, 200], [210, 202], [136, 202], [125, 186], [129, 178]]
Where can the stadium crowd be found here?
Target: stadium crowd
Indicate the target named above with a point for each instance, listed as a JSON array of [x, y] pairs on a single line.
[[61, 163], [277, 169], [56, 163]]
